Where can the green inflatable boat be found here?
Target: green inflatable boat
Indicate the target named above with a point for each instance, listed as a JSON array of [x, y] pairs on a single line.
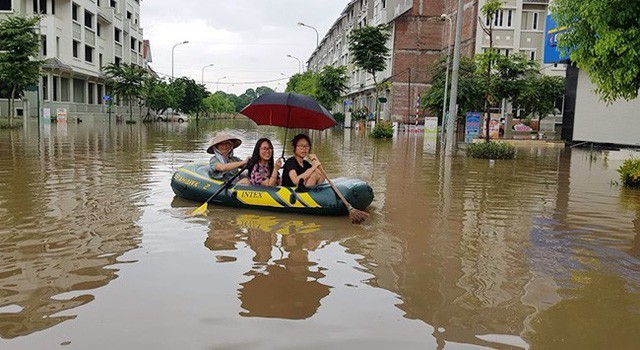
[[193, 182]]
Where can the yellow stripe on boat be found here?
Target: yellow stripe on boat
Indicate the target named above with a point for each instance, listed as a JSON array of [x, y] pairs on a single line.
[[308, 201], [206, 178], [284, 194], [260, 198]]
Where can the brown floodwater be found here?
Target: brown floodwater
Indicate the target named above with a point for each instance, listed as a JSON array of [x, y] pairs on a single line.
[[541, 252]]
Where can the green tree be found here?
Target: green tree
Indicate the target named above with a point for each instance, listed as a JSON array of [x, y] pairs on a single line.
[[603, 38], [470, 90], [331, 84], [486, 59], [192, 93], [127, 81], [539, 94], [303, 83], [263, 90], [19, 67], [158, 95], [219, 102], [368, 48]]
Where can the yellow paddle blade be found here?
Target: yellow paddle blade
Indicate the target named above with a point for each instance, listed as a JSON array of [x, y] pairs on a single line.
[[201, 210]]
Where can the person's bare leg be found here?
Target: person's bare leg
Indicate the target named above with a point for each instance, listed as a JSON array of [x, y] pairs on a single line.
[[314, 179], [244, 181]]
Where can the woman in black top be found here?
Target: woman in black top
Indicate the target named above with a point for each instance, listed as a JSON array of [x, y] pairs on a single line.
[[297, 168]]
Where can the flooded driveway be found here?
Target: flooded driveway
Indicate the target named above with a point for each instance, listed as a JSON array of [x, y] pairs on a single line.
[[542, 252]]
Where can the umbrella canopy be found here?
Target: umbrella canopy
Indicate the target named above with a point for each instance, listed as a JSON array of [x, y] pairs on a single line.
[[289, 110]]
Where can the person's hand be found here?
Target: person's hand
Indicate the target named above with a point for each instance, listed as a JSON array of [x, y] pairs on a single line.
[[278, 164], [315, 162]]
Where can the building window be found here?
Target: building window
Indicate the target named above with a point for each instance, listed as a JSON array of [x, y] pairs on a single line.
[[45, 88], [6, 5], [532, 55], [530, 21], [74, 11], [78, 90], [112, 3], [88, 19], [57, 46], [99, 29], [133, 44], [128, 15], [75, 48], [100, 61], [535, 21], [64, 89], [53, 7], [88, 53], [40, 6], [56, 81], [90, 96], [117, 61], [43, 39], [117, 32], [502, 19]]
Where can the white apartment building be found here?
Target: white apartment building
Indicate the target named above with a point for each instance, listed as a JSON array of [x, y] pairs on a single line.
[[78, 38]]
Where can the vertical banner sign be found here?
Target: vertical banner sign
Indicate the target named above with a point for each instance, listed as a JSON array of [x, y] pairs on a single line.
[[61, 115], [46, 115], [430, 125], [472, 126]]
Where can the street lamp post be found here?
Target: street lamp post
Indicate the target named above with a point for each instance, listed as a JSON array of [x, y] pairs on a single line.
[[446, 17], [230, 86], [218, 83], [453, 97], [299, 62], [202, 78], [172, 50], [314, 29]]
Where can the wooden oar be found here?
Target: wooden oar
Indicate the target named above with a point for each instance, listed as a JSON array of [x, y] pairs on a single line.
[[203, 208], [357, 216]]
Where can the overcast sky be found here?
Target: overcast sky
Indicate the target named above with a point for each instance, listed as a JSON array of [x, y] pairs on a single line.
[[246, 40]]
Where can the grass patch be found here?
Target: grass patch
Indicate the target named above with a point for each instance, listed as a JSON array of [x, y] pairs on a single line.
[[4, 124], [491, 150], [382, 130], [630, 173]]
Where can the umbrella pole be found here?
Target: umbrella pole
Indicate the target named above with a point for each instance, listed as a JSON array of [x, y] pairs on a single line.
[[284, 144]]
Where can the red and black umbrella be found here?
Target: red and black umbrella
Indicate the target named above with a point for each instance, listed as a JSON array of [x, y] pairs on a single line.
[[289, 110]]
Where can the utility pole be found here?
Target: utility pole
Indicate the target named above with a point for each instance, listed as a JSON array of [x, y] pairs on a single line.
[[453, 110]]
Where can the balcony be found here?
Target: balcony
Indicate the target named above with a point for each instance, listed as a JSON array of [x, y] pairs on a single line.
[[535, 2]]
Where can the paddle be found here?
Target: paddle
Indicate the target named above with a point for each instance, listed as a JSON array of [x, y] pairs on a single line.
[[203, 208], [357, 216]]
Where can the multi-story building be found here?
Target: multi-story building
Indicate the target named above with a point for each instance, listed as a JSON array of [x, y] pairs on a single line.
[[78, 38], [419, 36]]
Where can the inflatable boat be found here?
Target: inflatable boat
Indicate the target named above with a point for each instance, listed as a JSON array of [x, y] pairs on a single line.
[[193, 182]]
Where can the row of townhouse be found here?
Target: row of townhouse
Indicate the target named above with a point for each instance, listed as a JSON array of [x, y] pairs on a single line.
[[419, 36], [79, 38]]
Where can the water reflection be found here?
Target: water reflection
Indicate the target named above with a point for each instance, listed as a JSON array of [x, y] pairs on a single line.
[[68, 215], [283, 282]]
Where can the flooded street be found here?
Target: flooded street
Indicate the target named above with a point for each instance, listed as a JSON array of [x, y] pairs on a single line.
[[542, 252]]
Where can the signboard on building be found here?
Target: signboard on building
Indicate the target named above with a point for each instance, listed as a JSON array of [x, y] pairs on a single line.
[[551, 52], [472, 126]]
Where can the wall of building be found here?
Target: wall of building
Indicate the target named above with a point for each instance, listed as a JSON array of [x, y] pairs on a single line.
[[595, 121]]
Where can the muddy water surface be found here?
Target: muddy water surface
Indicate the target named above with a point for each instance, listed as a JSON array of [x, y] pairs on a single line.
[[542, 252]]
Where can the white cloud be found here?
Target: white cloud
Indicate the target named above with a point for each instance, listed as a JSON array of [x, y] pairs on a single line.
[[246, 40]]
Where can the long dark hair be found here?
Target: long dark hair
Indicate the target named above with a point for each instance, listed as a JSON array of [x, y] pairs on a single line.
[[255, 157]]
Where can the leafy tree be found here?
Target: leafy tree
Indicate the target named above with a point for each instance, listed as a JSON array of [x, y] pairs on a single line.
[[539, 94], [470, 90], [263, 90], [158, 95], [193, 95], [486, 59], [331, 84], [368, 47], [219, 103], [303, 83], [18, 68], [603, 38], [127, 81]]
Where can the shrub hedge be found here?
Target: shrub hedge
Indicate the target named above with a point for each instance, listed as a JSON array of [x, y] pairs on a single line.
[[491, 150], [382, 130], [4, 124], [630, 173]]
